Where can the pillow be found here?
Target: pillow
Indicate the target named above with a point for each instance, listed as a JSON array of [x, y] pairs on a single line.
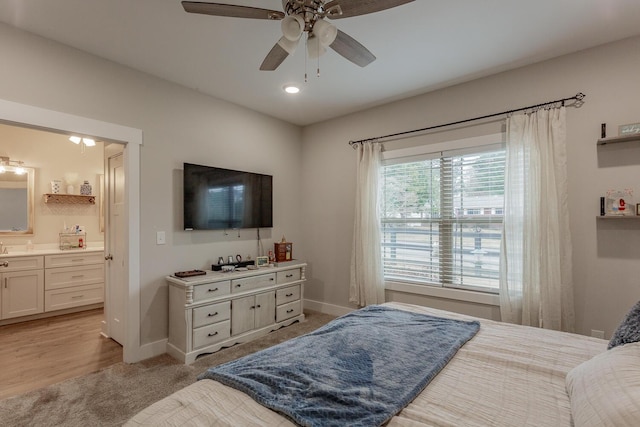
[[629, 329], [605, 391]]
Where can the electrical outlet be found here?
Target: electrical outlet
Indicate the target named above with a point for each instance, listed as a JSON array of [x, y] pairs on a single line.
[[160, 238], [597, 334]]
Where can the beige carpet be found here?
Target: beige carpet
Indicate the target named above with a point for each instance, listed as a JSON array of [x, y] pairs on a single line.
[[111, 396]]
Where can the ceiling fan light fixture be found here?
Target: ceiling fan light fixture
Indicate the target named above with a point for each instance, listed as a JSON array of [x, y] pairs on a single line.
[[314, 48], [325, 31], [292, 27], [288, 45]]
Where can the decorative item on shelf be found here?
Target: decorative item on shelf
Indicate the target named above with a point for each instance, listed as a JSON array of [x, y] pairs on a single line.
[[85, 189], [71, 178], [283, 250], [56, 184], [262, 261], [630, 129], [620, 202]]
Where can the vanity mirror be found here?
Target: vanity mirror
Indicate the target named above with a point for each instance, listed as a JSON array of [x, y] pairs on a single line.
[[16, 202]]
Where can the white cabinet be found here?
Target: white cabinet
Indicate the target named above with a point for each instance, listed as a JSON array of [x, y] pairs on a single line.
[[22, 282], [41, 284], [253, 312], [207, 313], [73, 280]]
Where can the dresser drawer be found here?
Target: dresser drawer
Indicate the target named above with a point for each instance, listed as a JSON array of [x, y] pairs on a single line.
[[21, 263], [70, 260], [65, 277], [210, 290], [253, 282], [289, 310], [288, 294], [211, 334], [211, 314], [288, 276], [59, 299]]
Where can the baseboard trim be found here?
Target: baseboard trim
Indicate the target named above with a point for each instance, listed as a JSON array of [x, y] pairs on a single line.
[[323, 307], [153, 349]]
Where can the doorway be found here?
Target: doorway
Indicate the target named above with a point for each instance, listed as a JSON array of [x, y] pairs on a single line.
[[131, 138]]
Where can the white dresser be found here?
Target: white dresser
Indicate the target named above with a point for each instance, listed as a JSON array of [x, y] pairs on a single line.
[[216, 310]]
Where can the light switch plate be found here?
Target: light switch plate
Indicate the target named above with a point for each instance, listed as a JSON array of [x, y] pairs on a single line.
[[160, 238]]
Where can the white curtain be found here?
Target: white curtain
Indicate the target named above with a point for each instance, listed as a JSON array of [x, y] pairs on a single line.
[[367, 282], [536, 284]]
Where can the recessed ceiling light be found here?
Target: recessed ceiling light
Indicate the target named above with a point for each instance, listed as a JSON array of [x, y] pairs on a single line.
[[291, 89]]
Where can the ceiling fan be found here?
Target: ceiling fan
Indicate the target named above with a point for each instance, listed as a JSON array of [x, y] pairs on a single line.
[[305, 16]]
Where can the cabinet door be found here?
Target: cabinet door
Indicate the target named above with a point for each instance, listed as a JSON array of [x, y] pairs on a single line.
[[22, 293], [265, 311], [242, 315]]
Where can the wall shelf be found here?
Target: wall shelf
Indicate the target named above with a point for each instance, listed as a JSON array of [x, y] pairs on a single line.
[[616, 139], [618, 217], [71, 199]]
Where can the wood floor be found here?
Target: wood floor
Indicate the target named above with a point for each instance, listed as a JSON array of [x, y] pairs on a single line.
[[41, 352]]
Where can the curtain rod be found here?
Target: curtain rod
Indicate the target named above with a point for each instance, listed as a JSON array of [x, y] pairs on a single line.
[[577, 97]]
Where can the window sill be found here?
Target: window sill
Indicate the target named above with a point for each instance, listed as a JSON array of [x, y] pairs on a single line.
[[448, 293]]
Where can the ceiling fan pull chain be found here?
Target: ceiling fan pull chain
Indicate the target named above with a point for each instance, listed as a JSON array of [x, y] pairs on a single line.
[[306, 44]]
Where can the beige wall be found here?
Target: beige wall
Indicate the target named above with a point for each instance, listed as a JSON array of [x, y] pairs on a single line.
[[53, 156], [606, 255], [178, 125]]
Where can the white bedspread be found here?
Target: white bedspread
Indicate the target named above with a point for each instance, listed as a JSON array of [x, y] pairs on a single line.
[[506, 375]]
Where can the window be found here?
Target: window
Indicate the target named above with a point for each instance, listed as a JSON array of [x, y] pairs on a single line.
[[441, 218]]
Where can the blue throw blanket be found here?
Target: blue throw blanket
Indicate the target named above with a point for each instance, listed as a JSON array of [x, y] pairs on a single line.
[[358, 370]]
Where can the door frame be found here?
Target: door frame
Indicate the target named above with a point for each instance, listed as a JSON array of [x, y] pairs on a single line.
[[64, 123]]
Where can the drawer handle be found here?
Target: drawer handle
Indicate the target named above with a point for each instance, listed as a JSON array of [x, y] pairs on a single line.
[[77, 260], [258, 306], [289, 275], [212, 290], [212, 314], [5, 264], [288, 295], [238, 285], [290, 310], [77, 296], [252, 307], [213, 334], [271, 279], [78, 276]]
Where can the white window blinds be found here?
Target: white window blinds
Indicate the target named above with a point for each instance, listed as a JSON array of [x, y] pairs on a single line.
[[442, 218]]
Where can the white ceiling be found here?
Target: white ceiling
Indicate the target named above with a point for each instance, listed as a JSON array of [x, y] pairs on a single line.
[[420, 46]]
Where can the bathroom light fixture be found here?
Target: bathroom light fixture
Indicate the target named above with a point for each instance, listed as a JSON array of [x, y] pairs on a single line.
[[8, 165], [86, 141]]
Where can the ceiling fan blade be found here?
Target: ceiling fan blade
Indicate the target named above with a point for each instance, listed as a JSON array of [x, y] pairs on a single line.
[[351, 49], [233, 11], [274, 58], [347, 8]]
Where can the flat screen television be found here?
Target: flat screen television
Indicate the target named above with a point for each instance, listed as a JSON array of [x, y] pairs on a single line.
[[218, 199]]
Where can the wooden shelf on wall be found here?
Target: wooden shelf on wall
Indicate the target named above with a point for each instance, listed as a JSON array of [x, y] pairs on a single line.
[[70, 199], [618, 217], [616, 139]]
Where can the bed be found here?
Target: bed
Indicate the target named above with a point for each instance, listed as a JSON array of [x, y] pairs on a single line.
[[504, 375]]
